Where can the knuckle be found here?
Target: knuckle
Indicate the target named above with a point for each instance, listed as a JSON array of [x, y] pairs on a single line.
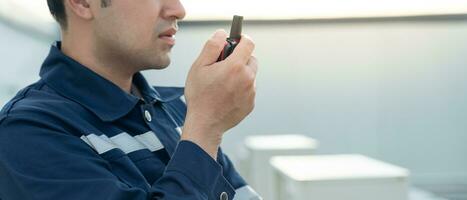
[[213, 43], [254, 68], [252, 105], [254, 60], [237, 66], [252, 93], [250, 81], [250, 43], [251, 78]]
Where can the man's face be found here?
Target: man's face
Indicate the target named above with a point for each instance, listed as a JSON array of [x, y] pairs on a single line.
[[139, 33]]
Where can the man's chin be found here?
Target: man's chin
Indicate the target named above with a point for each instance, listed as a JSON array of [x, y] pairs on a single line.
[[158, 66]]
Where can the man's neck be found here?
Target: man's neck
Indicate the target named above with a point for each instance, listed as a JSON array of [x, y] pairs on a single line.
[[82, 52]]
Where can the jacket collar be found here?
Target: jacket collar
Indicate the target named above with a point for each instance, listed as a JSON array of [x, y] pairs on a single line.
[[82, 85]]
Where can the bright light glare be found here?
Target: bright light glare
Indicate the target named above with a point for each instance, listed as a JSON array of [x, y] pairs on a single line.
[[31, 14], [25, 10], [319, 9]]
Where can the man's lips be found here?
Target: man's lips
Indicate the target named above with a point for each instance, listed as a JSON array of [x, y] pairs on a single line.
[[169, 36]]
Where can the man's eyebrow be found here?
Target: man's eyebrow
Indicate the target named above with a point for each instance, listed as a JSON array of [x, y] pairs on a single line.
[[106, 3]]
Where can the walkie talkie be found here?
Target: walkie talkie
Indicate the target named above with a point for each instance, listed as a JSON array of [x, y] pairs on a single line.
[[234, 38]]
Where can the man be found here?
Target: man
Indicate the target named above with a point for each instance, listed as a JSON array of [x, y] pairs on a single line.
[[92, 127]]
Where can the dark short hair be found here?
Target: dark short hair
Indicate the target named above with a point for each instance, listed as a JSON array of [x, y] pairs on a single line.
[[57, 9]]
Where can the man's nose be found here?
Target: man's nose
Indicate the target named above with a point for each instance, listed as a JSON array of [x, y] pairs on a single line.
[[173, 9]]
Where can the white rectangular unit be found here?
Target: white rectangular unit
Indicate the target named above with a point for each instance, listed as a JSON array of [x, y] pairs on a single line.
[[338, 177], [258, 150]]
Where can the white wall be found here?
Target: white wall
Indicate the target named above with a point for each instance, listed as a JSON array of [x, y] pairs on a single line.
[[21, 56], [395, 91], [391, 90]]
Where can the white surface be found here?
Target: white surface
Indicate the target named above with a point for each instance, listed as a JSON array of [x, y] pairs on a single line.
[[258, 150], [417, 194], [336, 167], [338, 177]]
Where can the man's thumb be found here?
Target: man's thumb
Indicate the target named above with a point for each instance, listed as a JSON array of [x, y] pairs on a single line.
[[212, 49]]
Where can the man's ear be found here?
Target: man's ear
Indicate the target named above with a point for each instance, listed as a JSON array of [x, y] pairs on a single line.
[[80, 8]]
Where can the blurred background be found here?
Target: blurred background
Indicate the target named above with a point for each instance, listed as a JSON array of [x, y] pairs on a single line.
[[382, 78]]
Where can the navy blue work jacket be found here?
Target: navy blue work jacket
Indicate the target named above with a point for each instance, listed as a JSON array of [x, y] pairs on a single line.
[[75, 135]]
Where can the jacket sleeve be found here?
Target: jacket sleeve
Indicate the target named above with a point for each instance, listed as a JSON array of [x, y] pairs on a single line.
[[38, 161], [242, 189]]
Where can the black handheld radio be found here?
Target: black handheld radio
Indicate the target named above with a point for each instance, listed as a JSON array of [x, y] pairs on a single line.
[[234, 38]]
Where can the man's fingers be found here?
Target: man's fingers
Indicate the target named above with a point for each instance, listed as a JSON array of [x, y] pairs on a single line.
[[243, 51], [253, 64], [212, 49]]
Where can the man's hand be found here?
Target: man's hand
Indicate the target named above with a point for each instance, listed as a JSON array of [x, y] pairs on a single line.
[[219, 94]]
